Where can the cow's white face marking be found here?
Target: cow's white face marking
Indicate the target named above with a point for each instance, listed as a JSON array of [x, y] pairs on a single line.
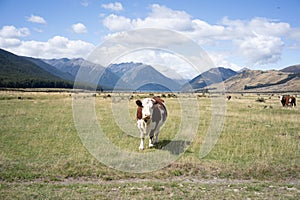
[[147, 108], [280, 98]]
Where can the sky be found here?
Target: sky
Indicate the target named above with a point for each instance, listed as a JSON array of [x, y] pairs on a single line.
[[257, 34]]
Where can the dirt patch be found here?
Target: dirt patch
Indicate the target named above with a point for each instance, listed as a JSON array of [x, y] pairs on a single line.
[[182, 179]]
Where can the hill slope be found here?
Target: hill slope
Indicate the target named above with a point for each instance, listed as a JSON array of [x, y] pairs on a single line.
[[214, 75], [292, 69], [16, 71], [51, 69], [263, 81]]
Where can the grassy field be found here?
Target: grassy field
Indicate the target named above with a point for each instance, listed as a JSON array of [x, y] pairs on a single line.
[[42, 156]]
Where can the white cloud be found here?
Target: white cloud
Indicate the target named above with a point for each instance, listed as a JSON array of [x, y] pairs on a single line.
[[172, 52], [79, 28], [263, 26], [36, 19], [160, 17], [163, 17], [10, 36], [55, 47], [9, 42], [261, 49], [204, 33], [221, 59], [117, 6], [13, 32], [117, 23], [148, 38], [167, 63], [258, 40]]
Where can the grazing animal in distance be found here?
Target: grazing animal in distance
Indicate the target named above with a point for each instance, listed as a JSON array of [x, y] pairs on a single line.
[[228, 97], [288, 101], [151, 114]]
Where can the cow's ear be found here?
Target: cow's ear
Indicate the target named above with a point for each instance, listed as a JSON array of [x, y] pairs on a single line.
[[139, 103], [153, 100]]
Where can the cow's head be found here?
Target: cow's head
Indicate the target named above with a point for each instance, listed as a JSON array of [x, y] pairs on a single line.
[[145, 109], [282, 100], [280, 97]]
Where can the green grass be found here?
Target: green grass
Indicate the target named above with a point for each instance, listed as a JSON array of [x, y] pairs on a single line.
[[262, 142], [39, 143]]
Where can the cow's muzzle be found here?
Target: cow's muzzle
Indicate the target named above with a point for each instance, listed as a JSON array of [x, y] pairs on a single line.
[[147, 119]]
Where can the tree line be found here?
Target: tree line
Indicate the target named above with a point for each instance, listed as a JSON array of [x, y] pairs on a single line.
[[35, 83]]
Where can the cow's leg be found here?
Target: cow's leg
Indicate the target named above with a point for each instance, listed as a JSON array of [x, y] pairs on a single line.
[[151, 139], [156, 137], [157, 131], [294, 102], [151, 144], [141, 127], [141, 147]]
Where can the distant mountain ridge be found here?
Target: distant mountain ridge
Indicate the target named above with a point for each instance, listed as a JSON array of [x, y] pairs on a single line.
[[51, 69], [138, 76], [213, 75], [127, 76], [262, 81], [90, 72], [70, 66], [122, 68], [292, 69], [19, 71]]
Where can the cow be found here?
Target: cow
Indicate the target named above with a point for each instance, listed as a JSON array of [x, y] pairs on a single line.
[[151, 115], [228, 97], [288, 100]]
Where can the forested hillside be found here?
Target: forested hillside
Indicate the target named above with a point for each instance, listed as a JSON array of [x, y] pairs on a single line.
[[18, 72]]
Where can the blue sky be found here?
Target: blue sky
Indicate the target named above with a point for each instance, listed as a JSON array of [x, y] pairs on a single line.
[[258, 34]]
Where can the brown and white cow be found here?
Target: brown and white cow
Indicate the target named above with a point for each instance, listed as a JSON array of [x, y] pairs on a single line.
[[288, 100], [151, 115]]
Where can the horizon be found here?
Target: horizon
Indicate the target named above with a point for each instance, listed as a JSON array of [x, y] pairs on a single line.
[[159, 69], [261, 35]]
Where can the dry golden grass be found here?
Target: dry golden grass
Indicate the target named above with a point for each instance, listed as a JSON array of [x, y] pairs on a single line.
[[39, 142]]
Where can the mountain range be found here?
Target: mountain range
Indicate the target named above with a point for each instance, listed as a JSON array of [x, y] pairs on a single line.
[[214, 75], [285, 80], [19, 71], [139, 76]]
